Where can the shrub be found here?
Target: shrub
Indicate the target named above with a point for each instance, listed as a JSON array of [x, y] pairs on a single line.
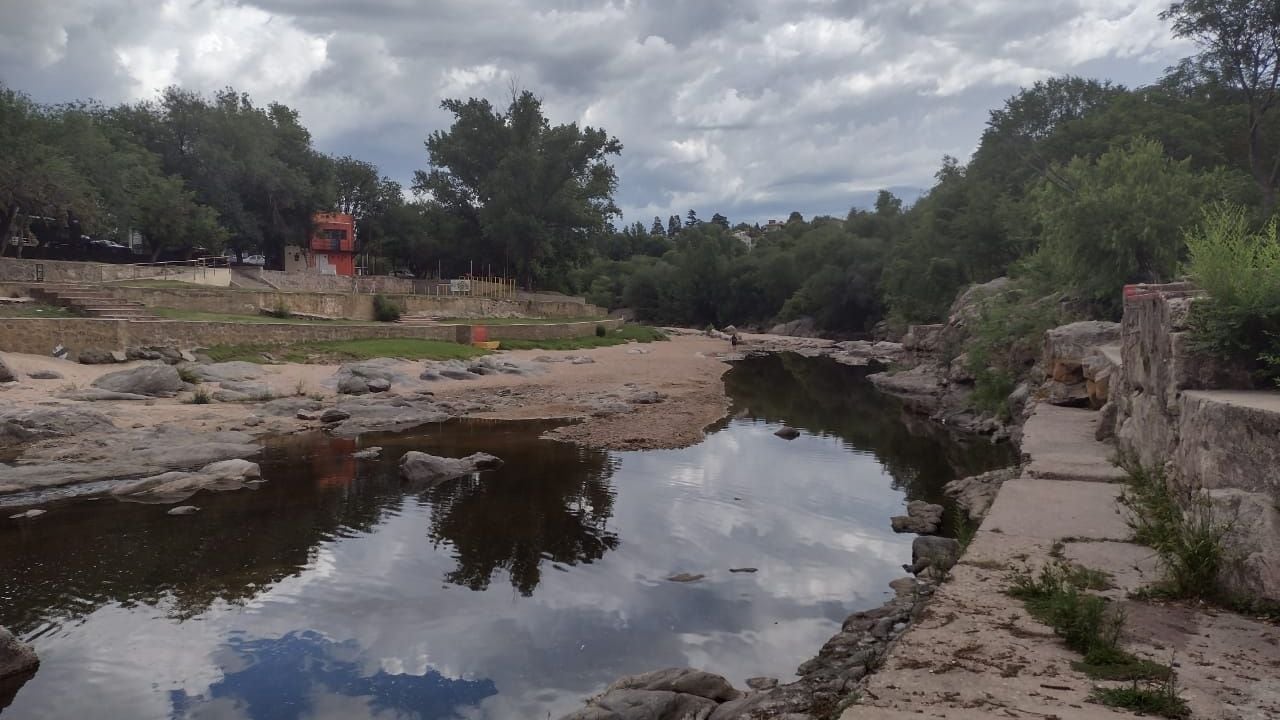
[[601, 331], [1160, 699], [384, 310], [1005, 340], [1183, 528], [201, 396], [1239, 268]]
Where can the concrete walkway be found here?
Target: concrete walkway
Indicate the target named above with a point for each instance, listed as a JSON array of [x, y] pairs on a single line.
[[977, 654]]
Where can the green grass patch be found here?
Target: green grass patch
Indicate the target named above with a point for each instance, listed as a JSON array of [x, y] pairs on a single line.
[[180, 314], [621, 336], [1160, 699], [34, 310], [345, 350]]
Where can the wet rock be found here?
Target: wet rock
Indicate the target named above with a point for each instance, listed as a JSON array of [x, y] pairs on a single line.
[[30, 424], [787, 432], [368, 453], [45, 375], [176, 485], [152, 380], [184, 510], [922, 518], [685, 578], [934, 553], [419, 467], [16, 657], [95, 356], [28, 515], [333, 415], [6, 375], [234, 371], [976, 493], [680, 680], [644, 705]]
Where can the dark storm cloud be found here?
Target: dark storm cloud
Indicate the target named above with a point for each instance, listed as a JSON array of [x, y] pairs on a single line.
[[741, 107]]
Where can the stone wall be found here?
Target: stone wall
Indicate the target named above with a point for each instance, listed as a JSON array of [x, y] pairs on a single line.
[[337, 305], [63, 271], [1192, 415]]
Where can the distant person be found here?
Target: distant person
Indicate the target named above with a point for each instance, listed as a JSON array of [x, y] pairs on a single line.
[[733, 339]]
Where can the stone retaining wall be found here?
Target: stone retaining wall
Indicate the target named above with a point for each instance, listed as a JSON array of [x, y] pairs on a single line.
[[41, 335], [338, 305], [63, 271]]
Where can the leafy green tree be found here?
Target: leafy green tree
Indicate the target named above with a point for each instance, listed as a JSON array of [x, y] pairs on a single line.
[[1240, 39], [691, 219], [722, 221], [520, 189], [1118, 220], [673, 226], [658, 228]]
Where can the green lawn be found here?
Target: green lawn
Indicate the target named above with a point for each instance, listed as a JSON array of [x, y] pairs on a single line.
[[346, 350], [514, 321], [623, 335], [180, 314], [33, 310]]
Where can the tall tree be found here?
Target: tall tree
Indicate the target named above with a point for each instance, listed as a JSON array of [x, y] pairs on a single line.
[[530, 193], [673, 226], [1241, 40], [691, 218], [721, 220], [658, 228]]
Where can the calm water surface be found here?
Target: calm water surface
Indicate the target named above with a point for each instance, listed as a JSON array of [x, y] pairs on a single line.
[[337, 591]]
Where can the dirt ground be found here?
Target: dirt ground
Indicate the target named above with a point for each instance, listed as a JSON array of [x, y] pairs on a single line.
[[684, 371]]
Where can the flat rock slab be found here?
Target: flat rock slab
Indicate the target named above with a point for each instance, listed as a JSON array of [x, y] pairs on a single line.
[[1060, 444], [1055, 509]]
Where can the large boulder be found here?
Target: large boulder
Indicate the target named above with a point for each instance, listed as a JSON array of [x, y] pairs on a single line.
[[680, 680], [235, 371], [923, 338], [16, 657], [96, 356], [355, 378], [176, 486], [419, 467], [6, 375], [152, 380], [934, 553], [1066, 348], [800, 327], [1253, 542], [29, 424]]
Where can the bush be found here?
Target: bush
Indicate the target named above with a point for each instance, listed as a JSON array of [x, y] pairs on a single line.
[[384, 310], [1240, 270], [1005, 340], [601, 331], [201, 396]]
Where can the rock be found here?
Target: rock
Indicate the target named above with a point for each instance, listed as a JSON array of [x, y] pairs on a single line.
[[45, 375], [647, 397], [333, 415], [936, 553], [639, 351], [762, 683], [786, 432], [1067, 346], [644, 705], [419, 467], [353, 385], [39, 423], [923, 338], [6, 375], [95, 356], [307, 415], [118, 356], [580, 360], [976, 493], [137, 353], [959, 372], [29, 514], [175, 486], [800, 327], [252, 421], [680, 680], [922, 518], [1107, 416], [235, 371], [1018, 398], [184, 510], [368, 453], [685, 577], [187, 356], [458, 374], [16, 657], [373, 413], [98, 394], [152, 380], [288, 407], [379, 385], [1253, 541], [744, 570]]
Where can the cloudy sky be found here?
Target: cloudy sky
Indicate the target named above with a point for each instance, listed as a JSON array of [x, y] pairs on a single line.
[[752, 108]]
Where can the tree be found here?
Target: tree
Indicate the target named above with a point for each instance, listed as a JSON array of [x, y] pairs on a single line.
[[673, 226], [169, 218], [658, 228], [1241, 40], [720, 220], [691, 218], [520, 189], [1117, 220]]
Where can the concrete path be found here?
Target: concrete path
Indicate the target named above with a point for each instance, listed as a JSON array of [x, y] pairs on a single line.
[[976, 653]]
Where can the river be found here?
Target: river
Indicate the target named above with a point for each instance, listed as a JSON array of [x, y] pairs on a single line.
[[336, 591]]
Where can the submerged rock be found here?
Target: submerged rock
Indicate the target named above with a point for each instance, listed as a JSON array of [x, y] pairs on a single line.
[[685, 577], [184, 510], [786, 432], [368, 453], [34, 513], [419, 467], [177, 485]]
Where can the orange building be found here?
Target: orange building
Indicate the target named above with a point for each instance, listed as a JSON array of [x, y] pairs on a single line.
[[333, 244]]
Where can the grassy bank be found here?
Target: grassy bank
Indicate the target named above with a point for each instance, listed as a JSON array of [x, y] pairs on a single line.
[[621, 336], [345, 350]]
